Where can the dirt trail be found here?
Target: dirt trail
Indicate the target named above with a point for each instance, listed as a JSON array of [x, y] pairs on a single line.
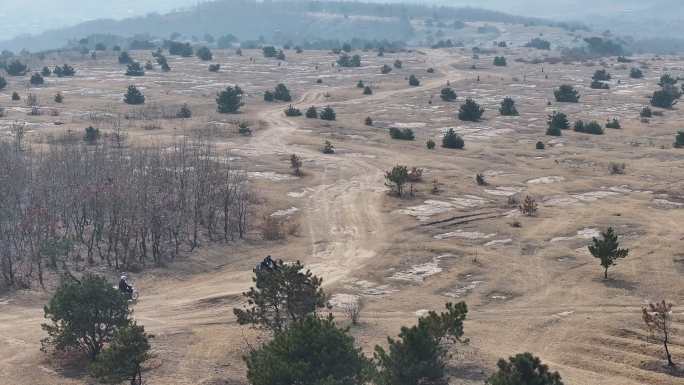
[[342, 221]]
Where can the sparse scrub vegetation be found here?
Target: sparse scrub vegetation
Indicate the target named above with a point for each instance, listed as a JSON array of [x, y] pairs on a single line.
[[312, 113], [328, 114], [401, 133], [396, 178], [229, 101], [470, 111], [613, 123], [16, 68], [556, 122], [508, 107], [135, 69], [413, 81], [679, 140], [528, 206], [291, 111], [134, 96], [539, 44], [591, 127], [499, 61], [523, 369], [204, 54], [566, 94], [636, 73], [452, 140], [448, 94], [37, 79]]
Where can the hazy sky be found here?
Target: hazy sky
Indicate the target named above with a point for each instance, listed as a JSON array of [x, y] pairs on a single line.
[[22, 17]]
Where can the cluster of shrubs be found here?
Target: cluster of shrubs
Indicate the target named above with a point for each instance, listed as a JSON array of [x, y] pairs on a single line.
[[566, 94], [135, 69], [133, 96], [280, 93], [204, 54], [508, 107], [591, 127], [401, 133], [470, 111], [179, 49], [539, 44], [448, 94], [557, 121], [499, 61], [668, 94], [328, 113], [349, 61], [271, 52], [292, 111], [413, 81], [16, 68], [636, 73]]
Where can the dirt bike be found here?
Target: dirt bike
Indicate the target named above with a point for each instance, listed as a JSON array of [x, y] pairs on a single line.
[[132, 296]]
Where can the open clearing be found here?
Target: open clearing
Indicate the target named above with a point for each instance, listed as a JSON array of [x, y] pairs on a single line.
[[529, 282]]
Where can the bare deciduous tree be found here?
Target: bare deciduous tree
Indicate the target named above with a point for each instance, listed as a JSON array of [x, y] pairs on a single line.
[[112, 205], [658, 319]]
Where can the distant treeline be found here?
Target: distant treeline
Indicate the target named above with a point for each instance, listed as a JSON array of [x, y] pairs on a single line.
[[279, 22]]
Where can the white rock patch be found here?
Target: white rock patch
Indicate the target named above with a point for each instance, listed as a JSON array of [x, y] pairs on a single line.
[[587, 233], [285, 213], [464, 234], [546, 180]]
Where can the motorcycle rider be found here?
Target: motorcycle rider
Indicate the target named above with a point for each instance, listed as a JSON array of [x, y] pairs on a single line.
[[124, 287], [268, 264]]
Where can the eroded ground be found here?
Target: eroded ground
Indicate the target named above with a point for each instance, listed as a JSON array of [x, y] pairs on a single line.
[[529, 282]]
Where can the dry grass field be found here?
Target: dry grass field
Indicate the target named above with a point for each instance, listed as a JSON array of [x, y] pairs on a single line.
[[529, 282]]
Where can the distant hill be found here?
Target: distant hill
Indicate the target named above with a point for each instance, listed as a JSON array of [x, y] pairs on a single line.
[[281, 20]]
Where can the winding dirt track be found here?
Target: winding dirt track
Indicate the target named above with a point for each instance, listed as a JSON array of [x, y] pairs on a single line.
[[346, 232]]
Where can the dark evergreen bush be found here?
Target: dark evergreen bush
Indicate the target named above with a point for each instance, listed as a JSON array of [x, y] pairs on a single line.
[[413, 81], [448, 94], [470, 111], [328, 114], [312, 113], [134, 96], [508, 107], [401, 133], [37, 79], [452, 140], [230, 100], [566, 93]]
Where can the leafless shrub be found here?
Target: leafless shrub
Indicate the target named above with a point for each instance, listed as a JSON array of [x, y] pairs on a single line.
[[296, 164], [616, 168], [31, 100], [415, 174], [352, 310], [513, 200], [272, 228], [435, 186], [528, 206], [152, 126]]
